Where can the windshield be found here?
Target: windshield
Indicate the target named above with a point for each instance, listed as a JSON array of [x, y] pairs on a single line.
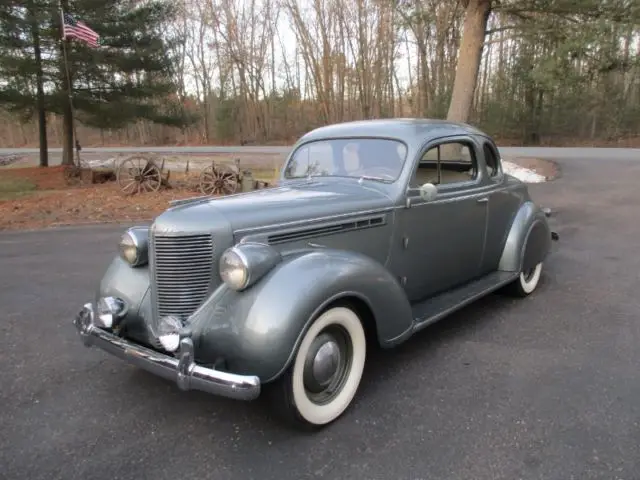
[[373, 158]]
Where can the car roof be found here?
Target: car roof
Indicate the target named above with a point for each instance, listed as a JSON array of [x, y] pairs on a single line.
[[410, 130]]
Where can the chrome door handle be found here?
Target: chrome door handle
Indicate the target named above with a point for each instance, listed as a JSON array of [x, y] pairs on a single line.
[[482, 200]]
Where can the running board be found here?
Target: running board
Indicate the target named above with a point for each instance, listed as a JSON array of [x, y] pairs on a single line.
[[434, 309]]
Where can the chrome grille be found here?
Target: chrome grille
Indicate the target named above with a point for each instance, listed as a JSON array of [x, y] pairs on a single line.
[[182, 270]]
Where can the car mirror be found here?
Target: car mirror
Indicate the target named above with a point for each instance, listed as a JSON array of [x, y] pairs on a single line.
[[428, 192]]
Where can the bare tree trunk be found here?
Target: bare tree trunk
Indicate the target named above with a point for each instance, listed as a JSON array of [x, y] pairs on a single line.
[[341, 71], [475, 23], [42, 115]]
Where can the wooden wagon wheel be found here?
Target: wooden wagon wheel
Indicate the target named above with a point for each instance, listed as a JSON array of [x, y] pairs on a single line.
[[137, 175], [218, 181]]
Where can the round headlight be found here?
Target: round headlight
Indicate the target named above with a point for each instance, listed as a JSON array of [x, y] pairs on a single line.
[[128, 248], [234, 270]]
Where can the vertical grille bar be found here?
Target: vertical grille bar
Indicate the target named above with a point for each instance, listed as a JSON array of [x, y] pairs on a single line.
[[182, 269]]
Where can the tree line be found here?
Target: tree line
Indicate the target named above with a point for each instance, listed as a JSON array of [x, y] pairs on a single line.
[[266, 71]]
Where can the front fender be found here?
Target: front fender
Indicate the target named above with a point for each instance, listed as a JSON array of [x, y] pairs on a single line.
[[257, 331], [123, 281], [528, 241], [132, 286]]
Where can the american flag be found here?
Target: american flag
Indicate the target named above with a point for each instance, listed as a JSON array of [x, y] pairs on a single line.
[[75, 29]]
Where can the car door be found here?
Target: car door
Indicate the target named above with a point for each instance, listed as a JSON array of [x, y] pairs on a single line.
[[440, 242], [502, 206]]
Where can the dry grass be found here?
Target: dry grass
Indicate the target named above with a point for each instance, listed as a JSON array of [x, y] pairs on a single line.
[[11, 188]]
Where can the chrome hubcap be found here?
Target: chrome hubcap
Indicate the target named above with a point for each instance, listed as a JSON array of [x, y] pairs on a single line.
[[327, 365]]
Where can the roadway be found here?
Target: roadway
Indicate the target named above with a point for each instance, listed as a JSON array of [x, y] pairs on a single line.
[[545, 387], [507, 152]]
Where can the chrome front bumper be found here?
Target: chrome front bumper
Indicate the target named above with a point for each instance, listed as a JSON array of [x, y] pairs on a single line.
[[183, 370]]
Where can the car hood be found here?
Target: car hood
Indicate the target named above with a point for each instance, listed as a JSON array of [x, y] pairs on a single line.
[[272, 207]]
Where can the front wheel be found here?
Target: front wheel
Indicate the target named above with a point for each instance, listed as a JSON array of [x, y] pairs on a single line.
[[326, 370], [526, 282]]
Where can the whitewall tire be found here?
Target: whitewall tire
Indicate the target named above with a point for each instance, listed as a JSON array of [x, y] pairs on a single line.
[[527, 281], [326, 371]]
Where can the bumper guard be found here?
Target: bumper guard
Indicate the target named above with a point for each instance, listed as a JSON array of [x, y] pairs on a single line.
[[183, 370]]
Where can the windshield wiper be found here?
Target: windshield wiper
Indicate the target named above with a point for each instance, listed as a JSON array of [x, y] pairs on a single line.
[[354, 177], [375, 179]]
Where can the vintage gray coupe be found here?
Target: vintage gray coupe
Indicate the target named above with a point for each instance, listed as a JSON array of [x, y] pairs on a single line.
[[375, 230]]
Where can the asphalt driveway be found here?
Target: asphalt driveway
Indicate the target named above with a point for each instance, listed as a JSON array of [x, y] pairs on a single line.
[[542, 388]]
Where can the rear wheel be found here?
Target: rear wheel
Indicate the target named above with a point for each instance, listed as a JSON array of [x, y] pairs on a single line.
[[526, 282], [326, 371]]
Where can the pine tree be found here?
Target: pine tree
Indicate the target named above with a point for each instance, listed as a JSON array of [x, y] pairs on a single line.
[[25, 32], [128, 77]]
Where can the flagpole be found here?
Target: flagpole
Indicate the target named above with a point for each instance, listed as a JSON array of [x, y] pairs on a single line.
[[74, 133]]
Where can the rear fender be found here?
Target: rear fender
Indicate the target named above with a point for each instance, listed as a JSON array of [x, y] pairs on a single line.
[[528, 241]]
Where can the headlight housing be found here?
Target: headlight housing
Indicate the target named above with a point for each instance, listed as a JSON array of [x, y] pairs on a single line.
[[244, 264], [133, 246], [234, 269]]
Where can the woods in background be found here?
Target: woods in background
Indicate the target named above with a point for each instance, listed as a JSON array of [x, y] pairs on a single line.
[[125, 77], [266, 71]]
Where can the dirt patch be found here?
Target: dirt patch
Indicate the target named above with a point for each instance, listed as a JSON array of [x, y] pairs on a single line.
[[40, 198], [50, 178], [547, 168], [101, 203]]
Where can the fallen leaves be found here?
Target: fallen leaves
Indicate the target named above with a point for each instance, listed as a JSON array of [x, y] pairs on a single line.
[[55, 203]]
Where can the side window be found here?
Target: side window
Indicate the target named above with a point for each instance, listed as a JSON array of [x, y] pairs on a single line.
[[491, 158], [446, 163]]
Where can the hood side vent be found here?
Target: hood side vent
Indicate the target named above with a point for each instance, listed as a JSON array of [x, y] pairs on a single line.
[[304, 234]]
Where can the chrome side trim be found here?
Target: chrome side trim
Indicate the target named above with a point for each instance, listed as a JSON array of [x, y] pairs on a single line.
[[312, 221], [329, 228], [187, 374]]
